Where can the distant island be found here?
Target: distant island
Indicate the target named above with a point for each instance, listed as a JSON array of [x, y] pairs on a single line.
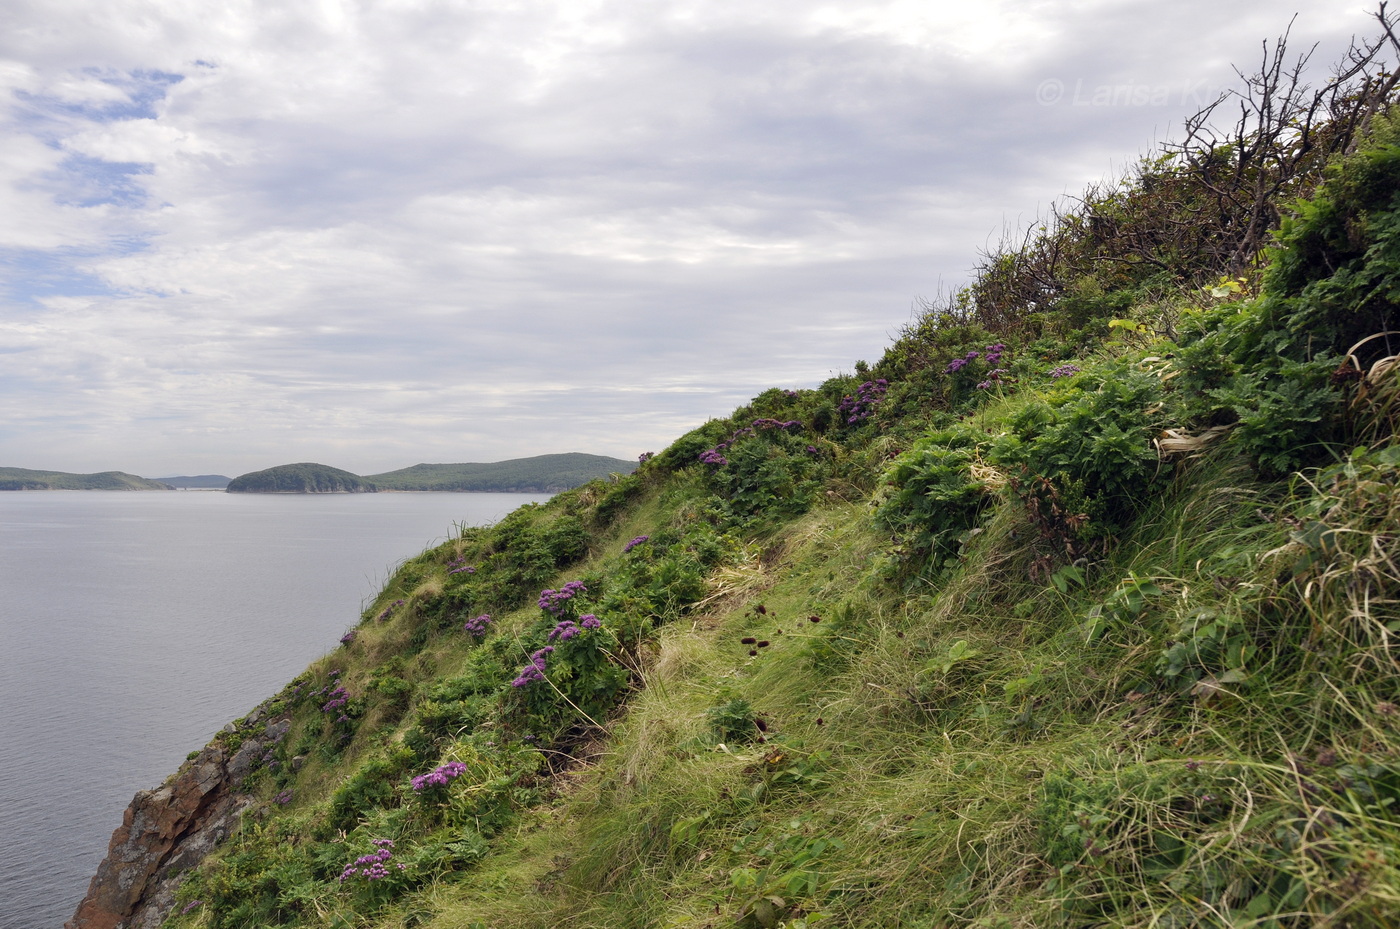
[[25, 479], [197, 482], [305, 477], [539, 474]]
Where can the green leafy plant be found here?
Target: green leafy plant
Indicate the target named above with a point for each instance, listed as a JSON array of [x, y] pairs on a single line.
[[1092, 443], [931, 498]]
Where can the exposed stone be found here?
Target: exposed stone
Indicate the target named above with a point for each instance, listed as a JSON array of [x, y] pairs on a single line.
[[169, 830], [242, 761]]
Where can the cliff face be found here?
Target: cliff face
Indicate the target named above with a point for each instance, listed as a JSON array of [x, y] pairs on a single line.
[[169, 830]]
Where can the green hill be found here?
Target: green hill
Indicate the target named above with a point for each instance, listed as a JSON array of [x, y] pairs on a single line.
[[25, 479], [1076, 609], [303, 478], [540, 474]]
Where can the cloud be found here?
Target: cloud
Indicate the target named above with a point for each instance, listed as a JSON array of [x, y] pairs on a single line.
[[373, 234]]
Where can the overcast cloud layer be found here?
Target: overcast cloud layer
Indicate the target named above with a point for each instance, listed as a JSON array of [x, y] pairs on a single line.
[[376, 233]]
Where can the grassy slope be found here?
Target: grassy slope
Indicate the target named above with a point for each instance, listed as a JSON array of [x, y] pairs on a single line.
[[26, 479], [936, 655], [546, 473]]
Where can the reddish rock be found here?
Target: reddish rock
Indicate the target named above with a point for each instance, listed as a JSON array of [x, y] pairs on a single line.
[[165, 832]]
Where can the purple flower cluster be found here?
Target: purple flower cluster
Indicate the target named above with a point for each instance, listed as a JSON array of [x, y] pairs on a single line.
[[564, 631], [714, 457], [1064, 370], [338, 698], [553, 601], [644, 457], [323, 690], [477, 626], [283, 798], [372, 867], [634, 543], [868, 396], [348, 637], [460, 566], [388, 610], [534, 671], [439, 777], [193, 904]]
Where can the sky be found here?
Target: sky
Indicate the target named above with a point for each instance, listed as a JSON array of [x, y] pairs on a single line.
[[238, 234]]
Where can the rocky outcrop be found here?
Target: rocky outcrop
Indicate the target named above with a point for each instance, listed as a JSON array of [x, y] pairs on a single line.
[[169, 830]]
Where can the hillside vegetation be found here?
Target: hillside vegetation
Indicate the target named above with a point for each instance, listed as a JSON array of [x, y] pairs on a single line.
[[539, 474], [1077, 608], [26, 479]]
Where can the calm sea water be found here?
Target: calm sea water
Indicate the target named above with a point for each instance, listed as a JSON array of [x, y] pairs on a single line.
[[133, 626]]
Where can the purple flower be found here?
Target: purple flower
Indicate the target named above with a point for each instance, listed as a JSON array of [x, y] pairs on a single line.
[[867, 397], [348, 637], [1064, 370], [528, 675], [644, 457], [634, 543], [713, 457], [338, 698], [553, 601], [191, 905], [589, 621], [371, 867], [283, 798], [438, 777], [956, 365], [477, 626], [564, 631], [534, 671]]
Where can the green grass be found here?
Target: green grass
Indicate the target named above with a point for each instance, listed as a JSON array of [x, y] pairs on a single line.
[[1125, 688], [986, 746]]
